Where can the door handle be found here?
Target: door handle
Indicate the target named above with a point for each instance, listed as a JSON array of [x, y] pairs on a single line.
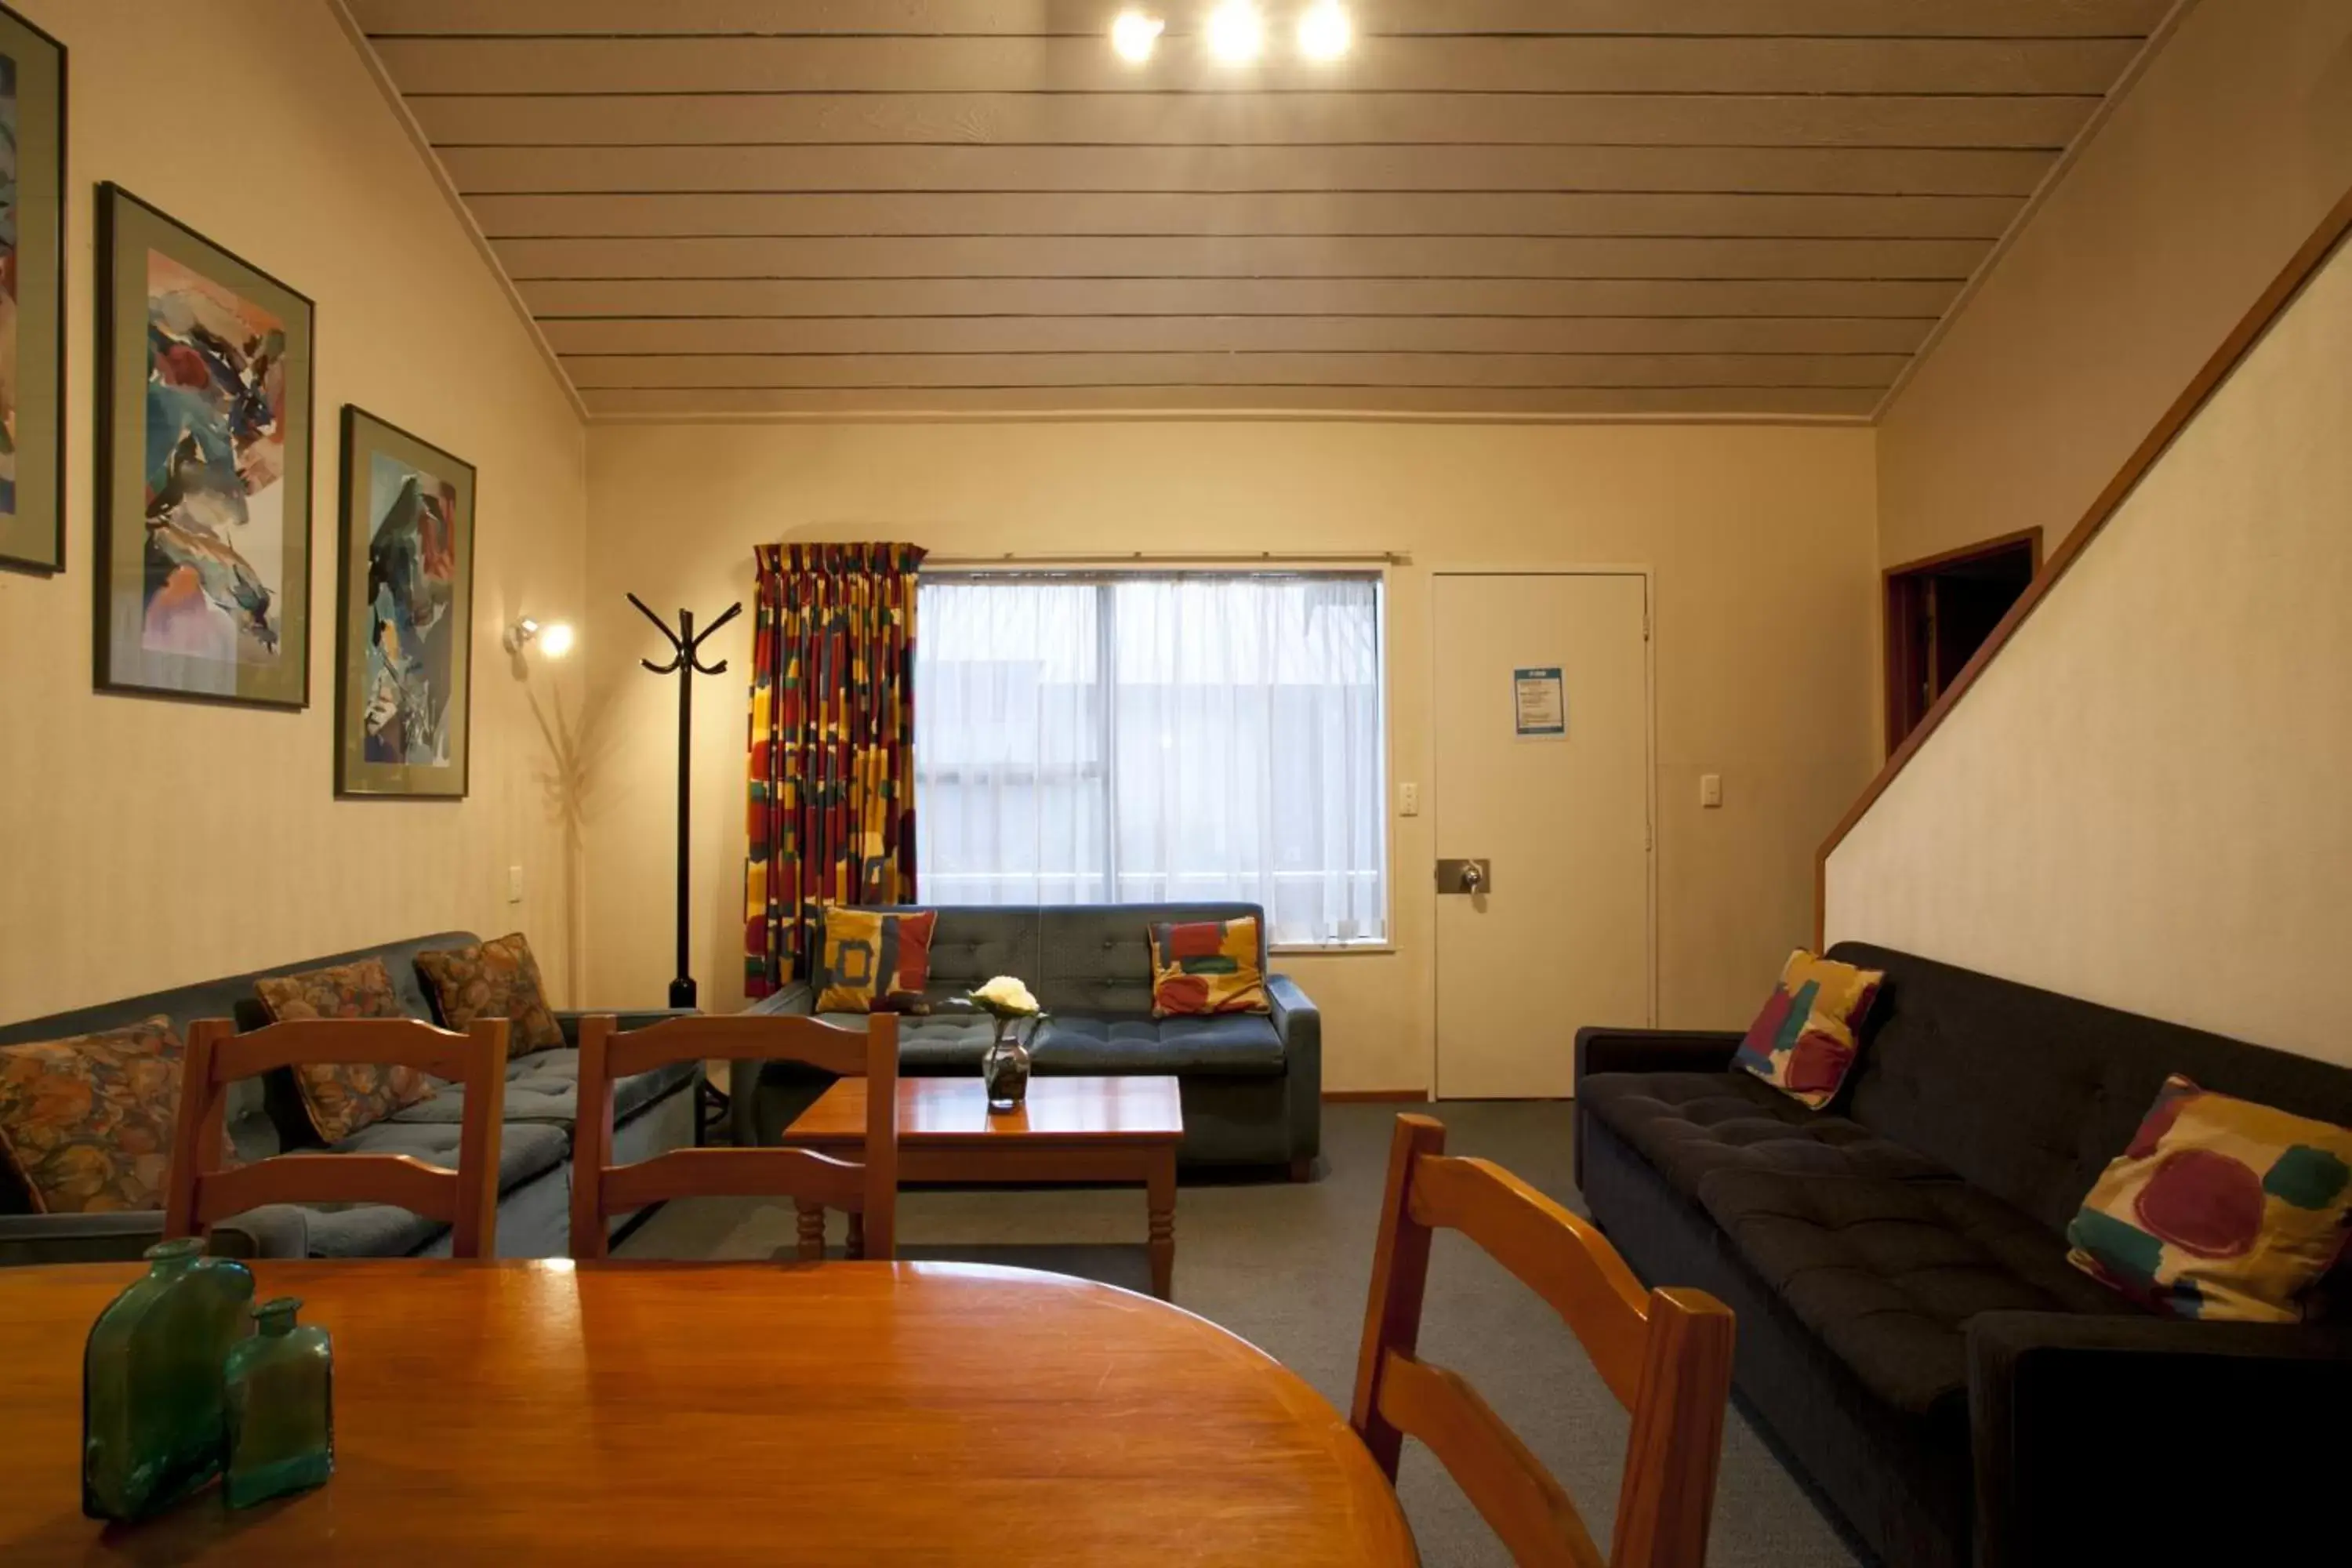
[[1472, 877]]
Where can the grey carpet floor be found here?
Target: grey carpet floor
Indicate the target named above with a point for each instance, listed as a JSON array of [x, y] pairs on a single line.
[[1287, 1266]]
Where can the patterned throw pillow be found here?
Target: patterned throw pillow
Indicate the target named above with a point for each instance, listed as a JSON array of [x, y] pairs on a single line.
[[1803, 1042], [1208, 967], [2220, 1209], [495, 979], [875, 963], [342, 1100], [86, 1124]]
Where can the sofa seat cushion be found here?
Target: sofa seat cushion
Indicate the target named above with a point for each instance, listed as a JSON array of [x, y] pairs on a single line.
[[526, 1151], [1234, 1046], [1888, 1273], [544, 1087], [1688, 1125]]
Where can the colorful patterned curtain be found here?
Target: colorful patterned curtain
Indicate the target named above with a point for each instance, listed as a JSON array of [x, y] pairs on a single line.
[[832, 744]]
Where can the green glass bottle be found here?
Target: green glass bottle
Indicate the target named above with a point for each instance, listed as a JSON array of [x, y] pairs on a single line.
[[151, 1403], [281, 1406]]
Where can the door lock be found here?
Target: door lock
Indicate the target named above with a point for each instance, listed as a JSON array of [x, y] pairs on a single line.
[[1472, 877]]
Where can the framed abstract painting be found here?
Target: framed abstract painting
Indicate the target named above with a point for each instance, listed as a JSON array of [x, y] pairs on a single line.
[[32, 296], [202, 515], [404, 613]]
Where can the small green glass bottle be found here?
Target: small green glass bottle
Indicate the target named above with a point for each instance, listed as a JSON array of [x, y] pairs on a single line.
[[151, 1406], [281, 1406]]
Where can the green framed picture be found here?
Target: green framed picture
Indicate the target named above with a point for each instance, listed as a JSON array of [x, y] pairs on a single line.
[[204, 467], [405, 615], [32, 296]]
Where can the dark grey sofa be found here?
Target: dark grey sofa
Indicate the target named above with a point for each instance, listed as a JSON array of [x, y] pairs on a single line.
[[654, 1112], [1251, 1083], [1910, 1330]]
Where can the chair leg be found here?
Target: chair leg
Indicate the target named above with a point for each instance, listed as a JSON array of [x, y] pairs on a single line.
[[812, 1233], [857, 1247]]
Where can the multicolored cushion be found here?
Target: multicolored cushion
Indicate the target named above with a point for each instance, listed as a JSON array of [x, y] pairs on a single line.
[[495, 979], [1803, 1043], [2220, 1209], [342, 1100], [1209, 967], [86, 1124], [875, 963]]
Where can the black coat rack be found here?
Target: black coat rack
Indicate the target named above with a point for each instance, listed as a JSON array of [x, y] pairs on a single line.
[[687, 663]]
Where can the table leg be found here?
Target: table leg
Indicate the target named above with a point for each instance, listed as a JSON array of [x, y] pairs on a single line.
[[857, 1247], [812, 1232], [1159, 1195]]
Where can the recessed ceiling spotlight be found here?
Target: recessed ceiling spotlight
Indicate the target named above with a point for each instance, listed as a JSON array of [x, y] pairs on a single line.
[[1325, 32], [1236, 32], [1134, 35]]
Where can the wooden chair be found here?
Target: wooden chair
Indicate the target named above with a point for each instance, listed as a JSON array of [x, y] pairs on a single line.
[[200, 1192], [867, 1192], [1665, 1354]]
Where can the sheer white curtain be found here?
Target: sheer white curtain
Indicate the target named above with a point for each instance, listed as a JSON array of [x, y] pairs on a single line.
[[1147, 739]]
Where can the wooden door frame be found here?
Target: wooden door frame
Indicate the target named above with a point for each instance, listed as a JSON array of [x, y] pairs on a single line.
[[1648, 576], [1892, 681]]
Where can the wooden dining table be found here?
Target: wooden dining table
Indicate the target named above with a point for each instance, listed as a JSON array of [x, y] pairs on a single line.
[[830, 1413]]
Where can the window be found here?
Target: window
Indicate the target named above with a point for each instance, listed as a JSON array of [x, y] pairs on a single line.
[[1132, 738]]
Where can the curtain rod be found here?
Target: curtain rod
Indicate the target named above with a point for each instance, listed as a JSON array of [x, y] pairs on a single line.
[[1143, 558]]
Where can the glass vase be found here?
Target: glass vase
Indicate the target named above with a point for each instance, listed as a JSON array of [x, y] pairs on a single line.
[[151, 1405], [1004, 1071], [281, 1406]]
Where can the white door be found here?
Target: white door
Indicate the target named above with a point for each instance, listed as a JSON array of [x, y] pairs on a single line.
[[1542, 697]]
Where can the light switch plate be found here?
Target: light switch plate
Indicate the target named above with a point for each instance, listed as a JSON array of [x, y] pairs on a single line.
[[1409, 799], [514, 884], [1710, 791]]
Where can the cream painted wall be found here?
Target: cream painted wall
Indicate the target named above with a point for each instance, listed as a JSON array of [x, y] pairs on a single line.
[[2212, 170], [2143, 799], [153, 843], [1761, 540]]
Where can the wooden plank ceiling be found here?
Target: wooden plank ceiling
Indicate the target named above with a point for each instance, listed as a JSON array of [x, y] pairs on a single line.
[[1505, 206]]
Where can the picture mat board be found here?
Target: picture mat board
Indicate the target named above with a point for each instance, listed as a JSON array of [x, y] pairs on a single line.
[[130, 232], [32, 525], [367, 439]]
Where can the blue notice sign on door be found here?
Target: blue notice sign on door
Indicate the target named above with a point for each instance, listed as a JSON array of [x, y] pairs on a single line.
[[1540, 704]]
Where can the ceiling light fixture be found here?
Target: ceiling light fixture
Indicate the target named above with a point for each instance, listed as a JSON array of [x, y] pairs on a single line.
[[1325, 31], [1236, 32], [1134, 35]]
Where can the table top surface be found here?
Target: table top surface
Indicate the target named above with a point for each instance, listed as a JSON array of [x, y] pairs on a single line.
[[835, 1413], [955, 1109]]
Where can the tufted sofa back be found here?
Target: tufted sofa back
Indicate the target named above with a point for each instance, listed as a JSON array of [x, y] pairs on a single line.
[[1081, 960], [253, 1128], [2029, 1094]]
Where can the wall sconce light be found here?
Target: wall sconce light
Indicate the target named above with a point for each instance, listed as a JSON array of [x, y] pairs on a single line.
[[553, 637], [1325, 32], [1134, 35], [1236, 32]]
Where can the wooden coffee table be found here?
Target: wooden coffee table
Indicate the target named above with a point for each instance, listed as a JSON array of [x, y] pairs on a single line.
[[1077, 1130]]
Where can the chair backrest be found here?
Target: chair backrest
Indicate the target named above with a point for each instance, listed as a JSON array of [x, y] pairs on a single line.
[[601, 1189], [200, 1192], [1667, 1356]]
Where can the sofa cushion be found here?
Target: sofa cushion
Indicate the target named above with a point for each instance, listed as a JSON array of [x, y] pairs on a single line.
[[1094, 961], [344, 1097], [544, 1087], [872, 960], [380, 1230], [86, 1123], [1690, 1124], [1803, 1042], [494, 979], [1237, 1046], [1889, 1272], [1207, 967]]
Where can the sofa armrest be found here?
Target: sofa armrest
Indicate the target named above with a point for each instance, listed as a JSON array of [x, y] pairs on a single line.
[[277, 1230], [2084, 1427], [568, 1018], [1654, 1050], [1301, 1024], [795, 999]]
